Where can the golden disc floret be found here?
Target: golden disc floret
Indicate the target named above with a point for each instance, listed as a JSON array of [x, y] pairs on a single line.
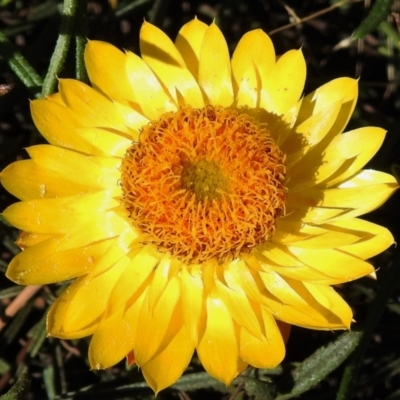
[[204, 183]]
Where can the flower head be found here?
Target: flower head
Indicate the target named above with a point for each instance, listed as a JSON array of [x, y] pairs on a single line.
[[199, 202]]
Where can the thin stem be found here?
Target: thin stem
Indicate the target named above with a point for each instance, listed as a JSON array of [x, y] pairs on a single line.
[[26, 294], [25, 72], [312, 16], [68, 24], [80, 42]]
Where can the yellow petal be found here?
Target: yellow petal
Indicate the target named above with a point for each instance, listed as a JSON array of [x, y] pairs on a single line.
[[138, 274], [27, 180], [160, 53], [114, 336], [26, 239], [166, 269], [255, 48], [218, 348], [87, 171], [294, 232], [43, 263], [168, 366], [303, 207], [238, 304], [105, 142], [285, 263], [158, 325], [101, 61], [363, 193], [283, 86], [80, 307], [310, 132], [361, 144], [292, 302], [377, 239], [111, 341], [323, 164], [344, 90], [248, 92], [215, 68], [331, 300], [265, 352], [151, 96], [61, 215], [92, 109], [57, 124], [338, 265], [192, 302], [189, 42]]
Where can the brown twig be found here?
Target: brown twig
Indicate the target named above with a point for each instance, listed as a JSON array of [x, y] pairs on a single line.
[[312, 16], [26, 294]]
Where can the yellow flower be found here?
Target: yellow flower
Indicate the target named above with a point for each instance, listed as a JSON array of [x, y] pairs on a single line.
[[198, 201]]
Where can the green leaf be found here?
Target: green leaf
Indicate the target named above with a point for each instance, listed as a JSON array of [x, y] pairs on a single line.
[[258, 389], [316, 367], [378, 13], [20, 388]]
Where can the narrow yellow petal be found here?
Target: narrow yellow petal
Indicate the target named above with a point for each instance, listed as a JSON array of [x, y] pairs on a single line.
[[163, 272], [80, 306], [290, 231], [337, 264], [377, 239], [254, 51], [248, 91], [60, 308], [344, 90], [292, 302], [324, 163], [331, 300], [168, 366], [363, 193], [215, 68], [138, 273], [366, 141], [303, 206], [57, 124], [283, 86], [310, 132], [158, 325], [60, 215], [266, 352], [192, 302], [101, 61], [218, 347], [43, 263], [27, 180], [161, 54], [280, 260], [105, 142], [238, 304], [151, 96], [93, 172], [111, 341], [189, 42], [91, 108]]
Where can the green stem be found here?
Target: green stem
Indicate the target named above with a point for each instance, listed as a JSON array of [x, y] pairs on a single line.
[[68, 24], [21, 67], [80, 42], [388, 283]]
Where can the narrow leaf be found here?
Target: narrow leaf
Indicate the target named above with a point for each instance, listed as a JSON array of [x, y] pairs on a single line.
[[316, 367]]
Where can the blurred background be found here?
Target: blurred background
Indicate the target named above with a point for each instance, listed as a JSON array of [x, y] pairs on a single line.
[[358, 39]]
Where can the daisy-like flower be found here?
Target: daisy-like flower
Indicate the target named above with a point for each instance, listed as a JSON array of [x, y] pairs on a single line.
[[200, 203]]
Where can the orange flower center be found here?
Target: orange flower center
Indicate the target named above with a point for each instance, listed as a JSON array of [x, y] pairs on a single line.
[[204, 183]]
